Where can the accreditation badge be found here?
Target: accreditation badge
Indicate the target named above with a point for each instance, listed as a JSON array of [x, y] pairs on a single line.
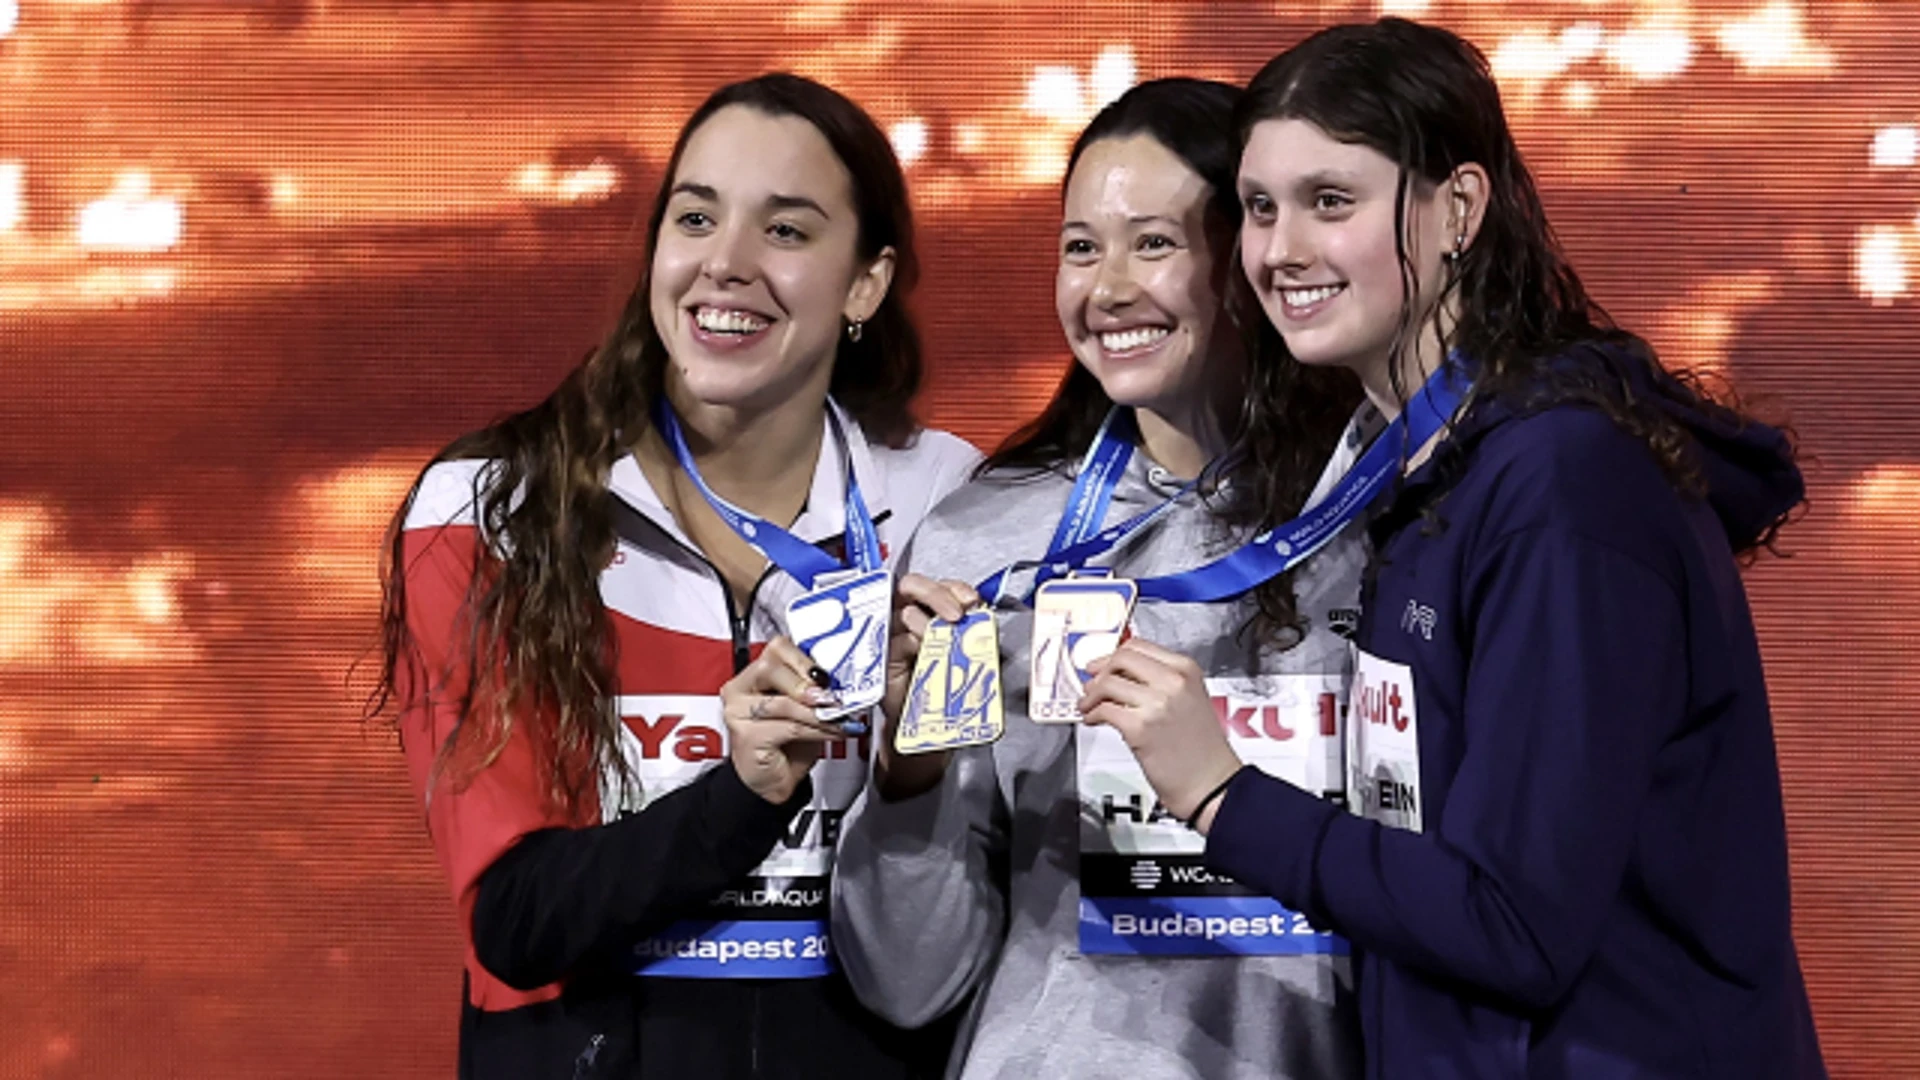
[[1383, 743]]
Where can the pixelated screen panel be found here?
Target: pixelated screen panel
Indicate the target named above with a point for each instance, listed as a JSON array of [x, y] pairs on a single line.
[[258, 258]]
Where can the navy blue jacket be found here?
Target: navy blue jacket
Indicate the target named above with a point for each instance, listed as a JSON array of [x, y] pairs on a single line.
[[1600, 888]]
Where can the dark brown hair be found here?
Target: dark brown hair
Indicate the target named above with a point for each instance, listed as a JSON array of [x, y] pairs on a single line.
[[1426, 99], [534, 632], [1292, 414]]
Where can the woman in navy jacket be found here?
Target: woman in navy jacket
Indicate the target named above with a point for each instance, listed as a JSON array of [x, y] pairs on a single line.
[[1567, 853]]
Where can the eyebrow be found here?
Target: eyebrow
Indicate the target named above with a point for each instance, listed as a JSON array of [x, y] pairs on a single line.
[[776, 202], [1137, 219], [1323, 177]]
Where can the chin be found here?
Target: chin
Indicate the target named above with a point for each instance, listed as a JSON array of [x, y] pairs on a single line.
[[1138, 389], [735, 384]]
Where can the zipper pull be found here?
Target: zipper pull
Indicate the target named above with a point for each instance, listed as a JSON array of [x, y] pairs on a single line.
[[587, 1057]]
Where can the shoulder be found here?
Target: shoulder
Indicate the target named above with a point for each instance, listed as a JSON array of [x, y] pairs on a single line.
[[931, 455], [448, 494], [989, 521], [921, 473], [1571, 469]]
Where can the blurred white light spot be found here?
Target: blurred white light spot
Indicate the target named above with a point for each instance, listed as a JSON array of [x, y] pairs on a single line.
[[594, 181], [13, 195], [1528, 57], [1579, 96], [150, 587], [969, 138], [1054, 92], [1406, 9], [1888, 491], [1773, 37], [1651, 52], [909, 138], [9, 16], [285, 190], [1896, 147], [1880, 264], [1581, 41], [534, 179], [1113, 74], [131, 217]]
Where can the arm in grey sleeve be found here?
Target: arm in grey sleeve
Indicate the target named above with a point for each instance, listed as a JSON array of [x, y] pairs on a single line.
[[919, 905]]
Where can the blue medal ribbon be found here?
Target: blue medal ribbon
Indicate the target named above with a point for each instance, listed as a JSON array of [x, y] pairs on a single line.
[[1078, 537], [800, 560], [1283, 547], [1272, 552]]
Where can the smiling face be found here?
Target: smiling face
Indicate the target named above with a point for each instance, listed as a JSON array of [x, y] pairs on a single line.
[[756, 268], [1138, 290], [1317, 243]]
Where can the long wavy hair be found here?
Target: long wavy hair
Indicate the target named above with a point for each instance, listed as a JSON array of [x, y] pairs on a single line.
[[534, 632], [1425, 98], [1291, 414]]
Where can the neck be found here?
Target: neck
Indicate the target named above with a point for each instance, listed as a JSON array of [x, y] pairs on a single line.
[[755, 459], [1416, 365], [1181, 442]]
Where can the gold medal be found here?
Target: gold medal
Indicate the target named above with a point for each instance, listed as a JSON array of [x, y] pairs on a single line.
[[955, 696]]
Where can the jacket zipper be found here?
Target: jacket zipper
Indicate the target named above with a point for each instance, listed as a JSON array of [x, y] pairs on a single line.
[[740, 629], [739, 617], [583, 1064]]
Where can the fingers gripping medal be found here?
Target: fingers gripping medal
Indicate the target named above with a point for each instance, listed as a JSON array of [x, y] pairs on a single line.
[[842, 625], [1075, 621], [954, 700]]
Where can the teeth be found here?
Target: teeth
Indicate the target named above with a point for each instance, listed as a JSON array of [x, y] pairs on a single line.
[[725, 321], [1128, 340], [1303, 297]]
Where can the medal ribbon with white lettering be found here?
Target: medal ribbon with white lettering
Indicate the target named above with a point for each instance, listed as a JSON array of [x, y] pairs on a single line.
[[1078, 537], [1278, 550], [798, 559], [1274, 551], [773, 925]]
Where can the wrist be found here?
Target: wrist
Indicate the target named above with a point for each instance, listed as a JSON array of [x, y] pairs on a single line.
[[1200, 818]]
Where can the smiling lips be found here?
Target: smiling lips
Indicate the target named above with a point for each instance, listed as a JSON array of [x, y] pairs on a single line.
[[1299, 303], [727, 328], [1133, 341]]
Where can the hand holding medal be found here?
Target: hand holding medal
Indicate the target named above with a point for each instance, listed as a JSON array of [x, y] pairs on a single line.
[[1157, 700], [772, 711], [943, 688]]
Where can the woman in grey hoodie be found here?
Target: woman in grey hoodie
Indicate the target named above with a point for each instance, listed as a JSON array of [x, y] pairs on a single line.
[[1035, 881]]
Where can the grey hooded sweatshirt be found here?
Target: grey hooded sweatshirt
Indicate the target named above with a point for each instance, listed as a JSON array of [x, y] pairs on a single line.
[[973, 887]]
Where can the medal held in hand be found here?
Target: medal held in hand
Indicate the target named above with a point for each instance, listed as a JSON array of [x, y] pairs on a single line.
[[842, 625], [954, 699], [1075, 621]]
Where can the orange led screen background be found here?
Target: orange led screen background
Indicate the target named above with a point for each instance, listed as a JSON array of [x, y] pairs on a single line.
[[259, 258]]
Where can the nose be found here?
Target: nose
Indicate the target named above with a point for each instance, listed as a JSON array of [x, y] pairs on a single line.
[[1287, 250], [729, 260], [1113, 283]]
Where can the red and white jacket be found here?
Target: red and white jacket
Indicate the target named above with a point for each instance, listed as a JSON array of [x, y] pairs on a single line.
[[679, 636]]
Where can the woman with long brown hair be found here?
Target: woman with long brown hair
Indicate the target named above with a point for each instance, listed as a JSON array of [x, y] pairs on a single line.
[[1018, 872], [1567, 856], [642, 880]]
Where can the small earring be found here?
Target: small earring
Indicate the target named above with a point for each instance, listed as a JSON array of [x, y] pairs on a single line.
[[1459, 249], [855, 328]]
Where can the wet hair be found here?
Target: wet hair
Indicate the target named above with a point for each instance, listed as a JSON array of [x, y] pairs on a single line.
[[1291, 416], [1425, 99], [535, 634]]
